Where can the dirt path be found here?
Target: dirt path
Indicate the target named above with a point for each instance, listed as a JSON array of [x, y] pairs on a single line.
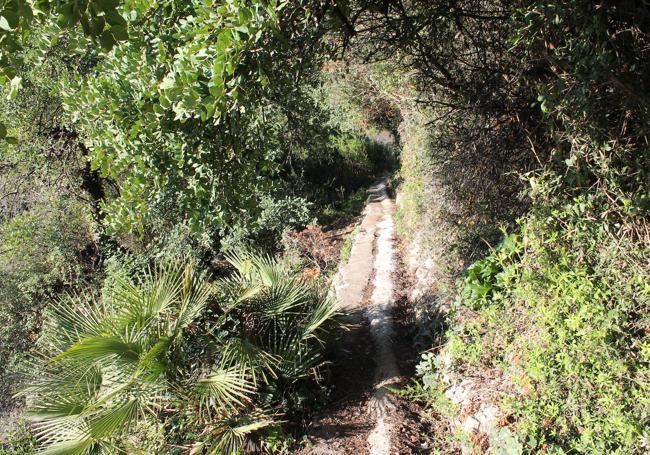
[[379, 314], [365, 417]]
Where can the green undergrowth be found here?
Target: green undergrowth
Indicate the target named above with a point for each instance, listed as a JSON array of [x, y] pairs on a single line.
[[345, 209], [346, 249], [17, 440], [559, 310], [175, 360]]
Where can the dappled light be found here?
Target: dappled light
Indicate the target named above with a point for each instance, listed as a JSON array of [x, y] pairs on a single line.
[[324, 227]]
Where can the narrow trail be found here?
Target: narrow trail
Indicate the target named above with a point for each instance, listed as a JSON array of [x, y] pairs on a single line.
[[380, 316], [365, 418]]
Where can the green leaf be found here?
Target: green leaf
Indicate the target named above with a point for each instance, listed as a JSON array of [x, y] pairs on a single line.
[[3, 130], [168, 82], [107, 40], [230, 433], [115, 18], [216, 89], [66, 15], [14, 87], [12, 17], [62, 21], [223, 41], [116, 418], [217, 69], [119, 32], [4, 24], [224, 388], [93, 348], [85, 25], [97, 25], [108, 5], [69, 447]]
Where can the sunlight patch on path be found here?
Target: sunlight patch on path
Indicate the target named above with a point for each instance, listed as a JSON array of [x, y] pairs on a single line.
[[379, 314], [364, 289]]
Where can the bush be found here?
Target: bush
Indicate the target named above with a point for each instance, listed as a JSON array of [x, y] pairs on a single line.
[[563, 315], [44, 252], [17, 440], [175, 359], [532, 116]]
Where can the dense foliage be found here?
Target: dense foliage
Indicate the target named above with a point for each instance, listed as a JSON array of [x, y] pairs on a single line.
[[175, 355], [49, 212], [533, 110], [203, 128], [135, 132], [177, 114]]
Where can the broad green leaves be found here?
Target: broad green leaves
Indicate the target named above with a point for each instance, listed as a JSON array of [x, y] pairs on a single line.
[[174, 113], [173, 100], [43, 21], [19, 19]]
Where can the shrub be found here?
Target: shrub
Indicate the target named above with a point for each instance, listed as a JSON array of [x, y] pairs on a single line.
[[44, 251], [569, 308], [17, 440], [174, 358], [535, 112]]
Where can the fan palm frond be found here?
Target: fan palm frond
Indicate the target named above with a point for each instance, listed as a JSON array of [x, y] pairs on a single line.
[[126, 299], [289, 317], [65, 395], [117, 417], [297, 356], [243, 262], [229, 436], [152, 363], [86, 379], [139, 304], [284, 297], [250, 359], [163, 287], [269, 271], [79, 446], [194, 296], [92, 349], [60, 429], [112, 360], [125, 359], [324, 312], [57, 406], [252, 267], [237, 290], [223, 388], [73, 318]]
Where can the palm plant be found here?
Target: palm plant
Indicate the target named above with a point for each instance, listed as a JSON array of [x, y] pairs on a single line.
[[109, 362], [284, 319], [174, 343]]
